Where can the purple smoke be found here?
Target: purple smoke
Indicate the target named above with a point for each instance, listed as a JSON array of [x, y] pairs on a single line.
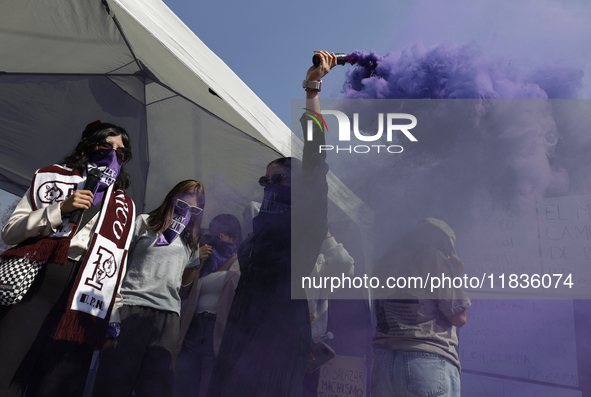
[[453, 72], [500, 153]]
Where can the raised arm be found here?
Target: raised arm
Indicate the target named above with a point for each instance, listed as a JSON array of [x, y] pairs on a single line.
[[316, 73], [310, 223]]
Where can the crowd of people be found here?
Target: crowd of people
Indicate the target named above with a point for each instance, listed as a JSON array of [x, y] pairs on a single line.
[[175, 311]]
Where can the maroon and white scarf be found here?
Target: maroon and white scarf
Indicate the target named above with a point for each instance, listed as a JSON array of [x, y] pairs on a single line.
[[93, 296]]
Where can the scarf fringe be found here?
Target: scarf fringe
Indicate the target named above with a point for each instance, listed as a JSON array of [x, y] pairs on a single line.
[[47, 250], [82, 328]]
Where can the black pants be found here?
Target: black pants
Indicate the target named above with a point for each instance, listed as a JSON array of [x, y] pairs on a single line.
[[311, 383], [46, 367], [196, 358], [144, 357]]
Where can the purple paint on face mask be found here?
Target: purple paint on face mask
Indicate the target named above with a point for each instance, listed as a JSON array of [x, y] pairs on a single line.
[[109, 167]]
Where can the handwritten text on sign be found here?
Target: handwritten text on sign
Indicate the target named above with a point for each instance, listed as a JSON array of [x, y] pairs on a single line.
[[343, 376]]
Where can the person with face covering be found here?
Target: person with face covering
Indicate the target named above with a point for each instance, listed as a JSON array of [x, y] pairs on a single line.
[[415, 339], [266, 343], [52, 333], [210, 289], [165, 242]]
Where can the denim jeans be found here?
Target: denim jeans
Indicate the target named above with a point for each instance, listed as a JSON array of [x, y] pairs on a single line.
[[402, 373]]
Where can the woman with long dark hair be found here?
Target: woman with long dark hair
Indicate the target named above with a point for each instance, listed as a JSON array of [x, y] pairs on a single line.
[[51, 334], [165, 243]]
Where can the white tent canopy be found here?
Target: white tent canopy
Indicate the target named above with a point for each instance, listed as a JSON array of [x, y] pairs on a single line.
[[133, 63]]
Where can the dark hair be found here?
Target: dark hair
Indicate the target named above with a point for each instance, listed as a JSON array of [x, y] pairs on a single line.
[[285, 161], [161, 217], [227, 224], [294, 164], [92, 135]]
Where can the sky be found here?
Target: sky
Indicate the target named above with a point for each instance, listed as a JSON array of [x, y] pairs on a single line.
[[6, 199], [269, 44]]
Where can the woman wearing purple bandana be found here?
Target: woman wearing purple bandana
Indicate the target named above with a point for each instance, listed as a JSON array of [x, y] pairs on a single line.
[[49, 365], [206, 310], [164, 245], [266, 344]]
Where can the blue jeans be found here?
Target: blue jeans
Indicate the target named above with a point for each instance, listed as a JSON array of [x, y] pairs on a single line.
[[402, 373]]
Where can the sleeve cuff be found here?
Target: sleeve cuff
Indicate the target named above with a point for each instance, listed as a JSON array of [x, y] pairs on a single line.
[[54, 215], [115, 317]]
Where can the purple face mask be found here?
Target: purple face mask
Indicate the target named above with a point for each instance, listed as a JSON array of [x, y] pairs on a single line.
[[180, 219], [221, 252], [109, 167], [277, 200]]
